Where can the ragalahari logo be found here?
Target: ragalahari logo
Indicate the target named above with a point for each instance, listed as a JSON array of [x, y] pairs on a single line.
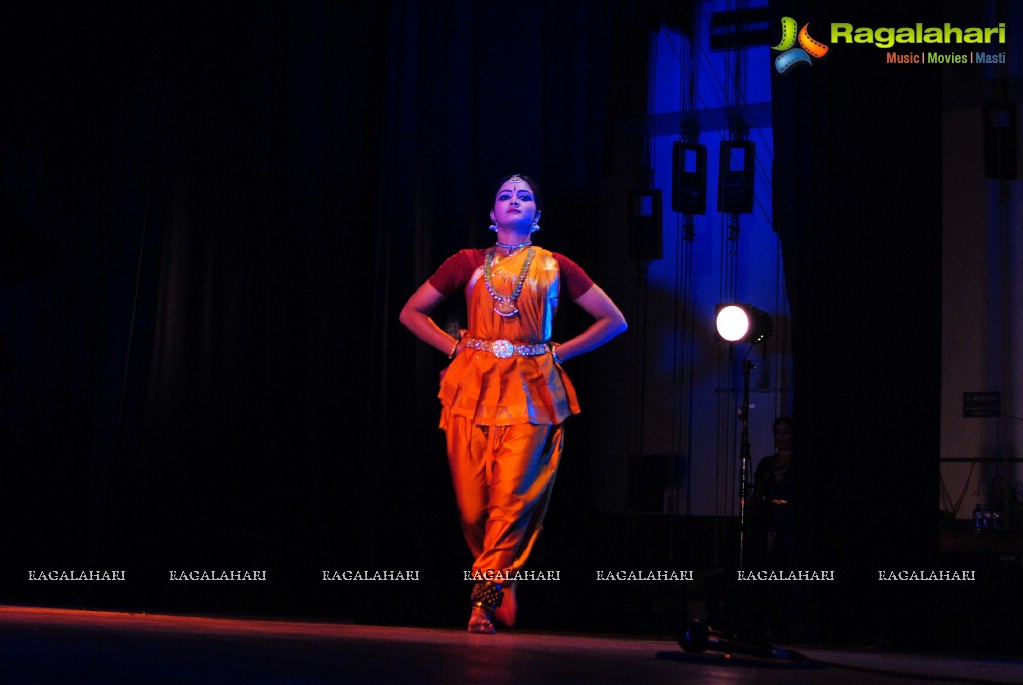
[[808, 50]]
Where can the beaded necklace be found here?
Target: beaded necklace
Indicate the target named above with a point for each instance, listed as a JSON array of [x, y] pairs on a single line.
[[512, 249], [505, 306]]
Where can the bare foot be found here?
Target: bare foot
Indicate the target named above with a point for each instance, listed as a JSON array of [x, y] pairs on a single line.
[[509, 609], [479, 622]]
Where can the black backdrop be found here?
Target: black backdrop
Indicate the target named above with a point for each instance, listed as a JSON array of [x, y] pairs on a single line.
[[858, 182], [212, 215]]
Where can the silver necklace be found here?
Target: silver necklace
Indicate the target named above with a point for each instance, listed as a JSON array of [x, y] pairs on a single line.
[[505, 305], [512, 249]]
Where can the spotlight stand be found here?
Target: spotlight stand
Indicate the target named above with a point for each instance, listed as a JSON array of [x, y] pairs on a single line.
[[745, 460], [755, 326]]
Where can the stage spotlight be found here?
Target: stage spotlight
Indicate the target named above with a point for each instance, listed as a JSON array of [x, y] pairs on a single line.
[[743, 323], [699, 637]]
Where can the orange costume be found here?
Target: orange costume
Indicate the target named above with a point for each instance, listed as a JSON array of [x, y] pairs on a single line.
[[504, 400]]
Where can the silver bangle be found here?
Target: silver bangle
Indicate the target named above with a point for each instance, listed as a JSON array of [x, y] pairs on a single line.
[[461, 334], [554, 353]]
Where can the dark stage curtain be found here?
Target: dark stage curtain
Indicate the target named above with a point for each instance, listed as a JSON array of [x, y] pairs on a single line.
[[857, 204], [212, 215]]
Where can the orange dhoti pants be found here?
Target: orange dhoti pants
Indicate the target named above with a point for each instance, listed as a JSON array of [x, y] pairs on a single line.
[[503, 477]]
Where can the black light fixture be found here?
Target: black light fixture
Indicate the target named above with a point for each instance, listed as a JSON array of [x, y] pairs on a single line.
[[736, 164], [743, 323], [646, 242], [689, 178]]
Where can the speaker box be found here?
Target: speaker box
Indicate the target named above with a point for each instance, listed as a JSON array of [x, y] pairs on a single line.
[[689, 178], [646, 242], [735, 176]]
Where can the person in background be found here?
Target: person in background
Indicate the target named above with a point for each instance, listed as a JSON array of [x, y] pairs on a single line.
[[771, 543], [772, 533]]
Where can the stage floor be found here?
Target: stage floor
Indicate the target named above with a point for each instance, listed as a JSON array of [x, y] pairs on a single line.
[[43, 646]]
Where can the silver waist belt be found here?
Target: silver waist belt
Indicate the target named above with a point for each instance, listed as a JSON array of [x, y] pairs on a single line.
[[502, 349]]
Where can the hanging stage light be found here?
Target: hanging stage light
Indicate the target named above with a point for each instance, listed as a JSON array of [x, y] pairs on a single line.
[[689, 178], [736, 165], [646, 241], [743, 323]]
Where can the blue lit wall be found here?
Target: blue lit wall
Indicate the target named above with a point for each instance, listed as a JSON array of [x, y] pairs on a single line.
[[693, 381]]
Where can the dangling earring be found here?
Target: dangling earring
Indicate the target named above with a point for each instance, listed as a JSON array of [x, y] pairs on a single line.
[[493, 226], [536, 223]]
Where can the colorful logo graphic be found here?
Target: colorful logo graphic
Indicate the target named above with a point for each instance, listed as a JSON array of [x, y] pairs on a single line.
[[808, 50]]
